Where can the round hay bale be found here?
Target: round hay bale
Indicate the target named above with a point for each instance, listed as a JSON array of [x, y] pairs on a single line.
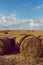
[[6, 32], [6, 45], [41, 39], [30, 47], [19, 39], [1, 47]]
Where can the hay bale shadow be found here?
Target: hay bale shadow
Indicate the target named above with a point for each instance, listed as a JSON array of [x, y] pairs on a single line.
[[6, 47]]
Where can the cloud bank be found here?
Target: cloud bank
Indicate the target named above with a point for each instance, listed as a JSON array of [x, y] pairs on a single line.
[[11, 22]]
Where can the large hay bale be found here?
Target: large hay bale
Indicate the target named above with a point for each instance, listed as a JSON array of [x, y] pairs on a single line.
[[31, 47], [5, 46], [6, 32], [19, 39], [1, 47], [41, 38], [42, 41]]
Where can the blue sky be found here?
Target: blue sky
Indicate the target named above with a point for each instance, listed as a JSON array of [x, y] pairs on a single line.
[[22, 8], [26, 12]]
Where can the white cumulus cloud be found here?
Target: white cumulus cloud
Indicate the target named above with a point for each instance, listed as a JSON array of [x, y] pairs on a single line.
[[12, 22]]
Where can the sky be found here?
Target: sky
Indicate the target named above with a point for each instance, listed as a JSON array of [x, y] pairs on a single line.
[[21, 14]]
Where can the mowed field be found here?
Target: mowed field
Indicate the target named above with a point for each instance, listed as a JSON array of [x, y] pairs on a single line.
[[13, 33], [19, 59]]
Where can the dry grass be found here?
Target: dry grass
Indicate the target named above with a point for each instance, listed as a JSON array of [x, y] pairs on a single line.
[[12, 33], [13, 60], [19, 60]]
